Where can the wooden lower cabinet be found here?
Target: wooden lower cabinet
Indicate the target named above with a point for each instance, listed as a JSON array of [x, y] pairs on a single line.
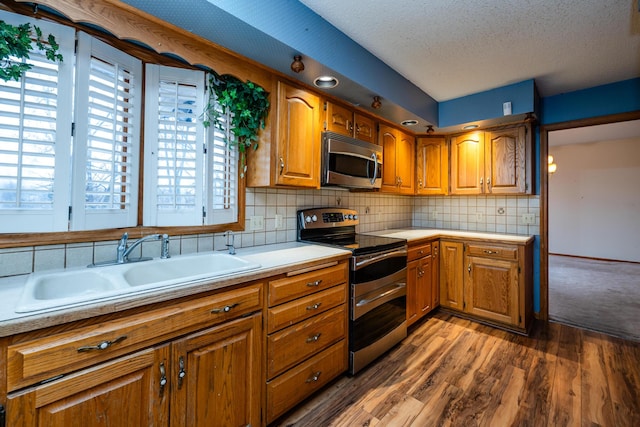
[[422, 289], [307, 329], [488, 281], [202, 365], [217, 376], [123, 392]]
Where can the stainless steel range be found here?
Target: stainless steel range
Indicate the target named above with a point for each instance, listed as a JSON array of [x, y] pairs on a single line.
[[377, 276]]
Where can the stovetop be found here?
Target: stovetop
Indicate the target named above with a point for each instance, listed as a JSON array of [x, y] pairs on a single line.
[[337, 227]]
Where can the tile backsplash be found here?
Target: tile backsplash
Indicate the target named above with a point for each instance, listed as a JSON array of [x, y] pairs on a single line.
[[500, 214]]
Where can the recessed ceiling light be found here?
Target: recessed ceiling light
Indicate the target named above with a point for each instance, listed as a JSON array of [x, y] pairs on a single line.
[[469, 127], [326, 82], [409, 122]]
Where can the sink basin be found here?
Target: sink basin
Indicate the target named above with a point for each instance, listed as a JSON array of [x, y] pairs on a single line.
[[44, 290], [64, 288], [186, 268]]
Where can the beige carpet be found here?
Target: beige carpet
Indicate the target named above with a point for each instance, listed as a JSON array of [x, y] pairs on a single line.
[[603, 296]]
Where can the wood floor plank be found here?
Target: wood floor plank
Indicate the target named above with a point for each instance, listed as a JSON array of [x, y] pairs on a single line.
[[455, 372]]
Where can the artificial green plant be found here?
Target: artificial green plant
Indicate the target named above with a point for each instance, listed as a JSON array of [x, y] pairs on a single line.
[[246, 103], [16, 44]]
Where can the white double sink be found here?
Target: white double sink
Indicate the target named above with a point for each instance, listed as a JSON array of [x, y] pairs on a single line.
[[73, 287]]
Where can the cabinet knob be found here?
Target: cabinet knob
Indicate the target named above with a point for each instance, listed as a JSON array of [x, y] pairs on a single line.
[[225, 309], [469, 268], [181, 373], [101, 346], [163, 377], [281, 165], [314, 338], [315, 377]]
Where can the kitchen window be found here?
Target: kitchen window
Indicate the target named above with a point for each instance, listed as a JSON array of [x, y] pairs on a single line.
[[52, 180]]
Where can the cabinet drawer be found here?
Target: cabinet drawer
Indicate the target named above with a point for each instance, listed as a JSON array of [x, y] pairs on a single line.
[[493, 251], [296, 311], [44, 358], [298, 285], [295, 343], [418, 251], [288, 389]]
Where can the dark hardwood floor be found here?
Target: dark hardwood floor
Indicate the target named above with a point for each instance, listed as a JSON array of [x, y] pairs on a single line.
[[455, 372]]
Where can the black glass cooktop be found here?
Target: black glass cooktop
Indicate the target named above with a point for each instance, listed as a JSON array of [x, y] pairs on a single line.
[[360, 244]]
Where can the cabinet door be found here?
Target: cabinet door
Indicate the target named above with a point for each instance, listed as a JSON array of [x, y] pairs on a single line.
[[339, 119], [425, 295], [506, 161], [122, 392], [217, 376], [412, 291], [467, 163], [491, 289], [451, 277], [298, 138], [365, 128], [432, 166], [435, 273], [405, 152], [388, 141]]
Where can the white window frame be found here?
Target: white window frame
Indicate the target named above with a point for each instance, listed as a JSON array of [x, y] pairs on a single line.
[[55, 218], [119, 215]]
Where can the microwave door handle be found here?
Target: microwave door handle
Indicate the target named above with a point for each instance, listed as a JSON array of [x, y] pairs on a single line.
[[375, 168]]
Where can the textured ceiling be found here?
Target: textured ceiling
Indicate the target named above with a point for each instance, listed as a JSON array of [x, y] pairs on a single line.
[[452, 49]]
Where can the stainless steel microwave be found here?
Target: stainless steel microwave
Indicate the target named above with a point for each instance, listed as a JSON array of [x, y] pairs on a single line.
[[351, 163]]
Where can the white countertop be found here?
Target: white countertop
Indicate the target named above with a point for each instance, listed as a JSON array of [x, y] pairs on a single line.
[[426, 233], [273, 259]]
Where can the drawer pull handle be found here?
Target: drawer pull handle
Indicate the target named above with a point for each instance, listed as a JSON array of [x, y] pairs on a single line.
[[225, 309], [314, 306], [102, 346], [487, 251], [315, 377], [163, 377], [420, 252], [314, 338], [182, 373], [316, 283]]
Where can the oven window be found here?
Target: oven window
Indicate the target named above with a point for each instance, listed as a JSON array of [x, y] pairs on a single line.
[[353, 166], [377, 323], [378, 270]]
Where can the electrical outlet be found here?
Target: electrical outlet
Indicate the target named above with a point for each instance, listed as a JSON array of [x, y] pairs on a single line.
[[257, 222], [479, 216], [528, 218], [434, 215], [279, 221]]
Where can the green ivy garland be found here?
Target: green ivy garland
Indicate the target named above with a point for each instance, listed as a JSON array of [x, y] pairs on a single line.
[[15, 41], [246, 103]]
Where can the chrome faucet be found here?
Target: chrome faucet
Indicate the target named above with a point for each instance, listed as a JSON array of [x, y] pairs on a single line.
[[232, 249], [123, 250]]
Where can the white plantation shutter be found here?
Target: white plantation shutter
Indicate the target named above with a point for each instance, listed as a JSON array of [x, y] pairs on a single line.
[[223, 176], [107, 138], [174, 147], [35, 138]]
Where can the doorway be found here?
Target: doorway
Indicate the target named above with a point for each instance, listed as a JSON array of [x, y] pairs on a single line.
[[588, 223]]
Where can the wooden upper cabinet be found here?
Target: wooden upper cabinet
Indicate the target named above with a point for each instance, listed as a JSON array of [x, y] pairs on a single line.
[[497, 161], [346, 122], [397, 160], [298, 137], [467, 163], [432, 166], [508, 161]]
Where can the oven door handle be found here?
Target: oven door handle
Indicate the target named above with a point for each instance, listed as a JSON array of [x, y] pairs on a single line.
[[360, 264], [382, 295]]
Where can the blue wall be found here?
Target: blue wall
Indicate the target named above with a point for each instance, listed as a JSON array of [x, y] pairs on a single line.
[[488, 105], [613, 98]]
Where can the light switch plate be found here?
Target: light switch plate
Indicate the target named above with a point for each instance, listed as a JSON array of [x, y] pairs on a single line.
[[529, 218], [257, 222], [506, 108]]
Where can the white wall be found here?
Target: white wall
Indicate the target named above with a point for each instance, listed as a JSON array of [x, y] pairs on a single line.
[[594, 200]]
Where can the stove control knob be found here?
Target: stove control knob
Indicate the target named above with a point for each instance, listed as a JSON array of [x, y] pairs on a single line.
[[307, 218], [350, 217], [355, 217], [314, 218]]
